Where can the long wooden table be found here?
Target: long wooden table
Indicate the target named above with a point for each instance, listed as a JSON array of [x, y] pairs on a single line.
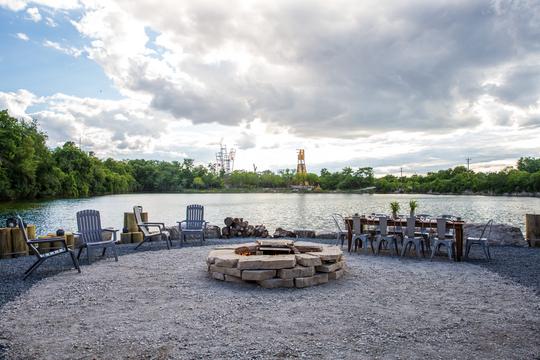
[[432, 224]]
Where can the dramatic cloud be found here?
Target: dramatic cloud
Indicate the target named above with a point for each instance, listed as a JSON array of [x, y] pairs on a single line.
[[411, 84]]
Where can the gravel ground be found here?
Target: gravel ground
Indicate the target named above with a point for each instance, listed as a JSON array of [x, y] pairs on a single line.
[[164, 305]]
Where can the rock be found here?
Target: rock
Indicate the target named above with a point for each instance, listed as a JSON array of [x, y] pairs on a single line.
[[305, 233], [258, 275], [501, 234], [223, 258], [329, 253], [174, 232], [218, 276], [326, 268], [297, 271], [308, 260], [336, 274], [234, 279], [280, 232], [311, 280], [327, 235], [226, 270], [261, 262], [212, 232], [276, 283]]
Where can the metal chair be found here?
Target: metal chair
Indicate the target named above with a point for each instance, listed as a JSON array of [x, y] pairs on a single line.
[[194, 223], [482, 241], [148, 229], [91, 234], [385, 239], [358, 237], [41, 257], [410, 239], [341, 227], [442, 239]]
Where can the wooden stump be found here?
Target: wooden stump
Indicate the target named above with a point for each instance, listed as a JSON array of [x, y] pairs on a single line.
[[19, 247], [136, 237], [70, 240], [532, 226], [130, 223], [31, 231], [125, 238], [5, 243]]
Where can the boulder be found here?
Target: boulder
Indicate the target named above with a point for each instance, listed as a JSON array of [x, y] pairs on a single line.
[[280, 232], [305, 233], [225, 270], [218, 276], [311, 280], [276, 283], [212, 232], [336, 274], [327, 268], [326, 235], [258, 275], [308, 260], [174, 232], [261, 262], [501, 234], [297, 271]]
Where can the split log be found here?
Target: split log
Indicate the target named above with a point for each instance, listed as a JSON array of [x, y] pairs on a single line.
[[5, 243], [19, 247], [228, 221]]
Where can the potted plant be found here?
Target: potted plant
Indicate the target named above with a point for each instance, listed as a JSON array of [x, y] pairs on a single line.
[[413, 205], [394, 206]]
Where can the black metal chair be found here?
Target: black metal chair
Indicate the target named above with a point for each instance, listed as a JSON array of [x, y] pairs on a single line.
[[148, 229], [90, 232], [41, 257], [482, 241]]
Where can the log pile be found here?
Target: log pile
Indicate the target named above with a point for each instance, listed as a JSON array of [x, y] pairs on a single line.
[[237, 227]]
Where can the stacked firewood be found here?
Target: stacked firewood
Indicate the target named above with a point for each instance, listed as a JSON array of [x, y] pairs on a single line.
[[237, 227]]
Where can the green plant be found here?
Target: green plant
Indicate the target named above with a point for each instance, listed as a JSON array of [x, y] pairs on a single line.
[[413, 205], [394, 206]]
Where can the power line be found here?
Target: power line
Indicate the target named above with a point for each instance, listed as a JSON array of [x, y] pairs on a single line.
[[468, 162]]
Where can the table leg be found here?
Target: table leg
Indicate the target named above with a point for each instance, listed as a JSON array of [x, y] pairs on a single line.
[[459, 243]]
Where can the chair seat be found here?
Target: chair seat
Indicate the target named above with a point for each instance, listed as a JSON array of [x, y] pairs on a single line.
[[156, 233], [475, 239], [99, 243], [192, 230]]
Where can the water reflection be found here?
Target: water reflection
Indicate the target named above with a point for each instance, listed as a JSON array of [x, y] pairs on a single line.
[[292, 211]]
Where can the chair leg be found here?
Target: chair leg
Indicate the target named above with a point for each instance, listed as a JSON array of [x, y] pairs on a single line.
[[142, 242], [484, 247], [433, 249], [88, 254], [450, 252], [404, 248], [75, 262], [417, 247], [489, 252], [467, 249], [396, 247], [114, 252], [33, 267], [79, 253], [104, 249]]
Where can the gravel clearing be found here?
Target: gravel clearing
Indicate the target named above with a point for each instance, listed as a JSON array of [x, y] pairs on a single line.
[[164, 305]]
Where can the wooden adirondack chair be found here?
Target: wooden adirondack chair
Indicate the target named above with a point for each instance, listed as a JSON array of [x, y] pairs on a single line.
[[41, 257], [148, 229], [194, 223], [90, 232]]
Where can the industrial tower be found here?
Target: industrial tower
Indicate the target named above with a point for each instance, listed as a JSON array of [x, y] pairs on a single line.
[[301, 166], [224, 159]]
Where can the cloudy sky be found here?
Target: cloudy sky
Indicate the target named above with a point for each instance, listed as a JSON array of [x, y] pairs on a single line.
[[415, 84]]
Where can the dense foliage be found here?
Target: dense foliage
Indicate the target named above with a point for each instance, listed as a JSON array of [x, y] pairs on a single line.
[[29, 169]]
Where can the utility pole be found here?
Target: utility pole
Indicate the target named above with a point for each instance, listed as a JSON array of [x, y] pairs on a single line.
[[468, 162]]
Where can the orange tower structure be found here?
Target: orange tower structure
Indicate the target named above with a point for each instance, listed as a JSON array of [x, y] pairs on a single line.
[[301, 166]]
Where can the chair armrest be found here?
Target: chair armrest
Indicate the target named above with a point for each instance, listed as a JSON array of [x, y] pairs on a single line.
[[110, 230], [47, 240], [152, 224]]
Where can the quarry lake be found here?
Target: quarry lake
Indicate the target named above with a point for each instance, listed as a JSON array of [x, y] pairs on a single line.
[[291, 211]]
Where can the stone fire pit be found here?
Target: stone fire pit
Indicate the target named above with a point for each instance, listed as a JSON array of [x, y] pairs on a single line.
[[277, 263]]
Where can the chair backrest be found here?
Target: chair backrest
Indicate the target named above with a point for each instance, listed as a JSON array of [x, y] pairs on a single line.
[[487, 227], [357, 225], [22, 227], [137, 211], [194, 217], [89, 225], [338, 221], [411, 225], [441, 228], [383, 225]]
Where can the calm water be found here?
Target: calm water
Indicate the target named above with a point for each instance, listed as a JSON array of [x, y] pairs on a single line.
[[293, 211]]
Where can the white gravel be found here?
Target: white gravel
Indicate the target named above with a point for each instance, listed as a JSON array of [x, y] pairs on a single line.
[[164, 305]]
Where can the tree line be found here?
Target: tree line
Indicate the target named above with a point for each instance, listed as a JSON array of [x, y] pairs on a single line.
[[30, 170]]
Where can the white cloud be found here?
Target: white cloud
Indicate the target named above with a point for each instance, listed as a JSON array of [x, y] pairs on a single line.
[[69, 50], [13, 5], [386, 84], [22, 36], [34, 14], [50, 22]]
